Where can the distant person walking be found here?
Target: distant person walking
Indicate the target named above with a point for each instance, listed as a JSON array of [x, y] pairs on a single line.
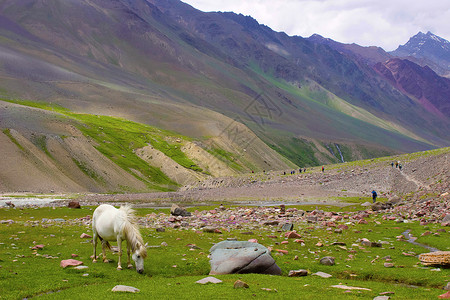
[[323, 169], [392, 164], [400, 167], [374, 196]]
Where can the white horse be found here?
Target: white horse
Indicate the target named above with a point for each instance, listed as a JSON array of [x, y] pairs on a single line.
[[112, 224]]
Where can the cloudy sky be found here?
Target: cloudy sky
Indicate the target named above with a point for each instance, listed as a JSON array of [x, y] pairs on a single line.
[[384, 23]]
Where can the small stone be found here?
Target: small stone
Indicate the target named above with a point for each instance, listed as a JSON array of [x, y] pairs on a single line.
[[164, 244], [319, 244], [160, 229], [287, 227], [209, 279], [80, 267], [74, 204], [388, 265], [387, 293], [382, 298], [298, 273], [240, 284], [327, 261], [445, 296], [85, 236], [36, 247], [292, 235], [125, 288], [70, 262], [322, 274], [74, 255], [253, 240], [345, 287]]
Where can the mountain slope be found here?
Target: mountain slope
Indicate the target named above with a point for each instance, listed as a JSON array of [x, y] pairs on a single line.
[[238, 89], [427, 49], [431, 90]]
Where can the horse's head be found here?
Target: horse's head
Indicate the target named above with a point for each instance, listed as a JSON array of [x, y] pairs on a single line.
[[138, 256]]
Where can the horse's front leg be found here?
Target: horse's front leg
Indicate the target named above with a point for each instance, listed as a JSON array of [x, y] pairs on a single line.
[[129, 265], [119, 244]]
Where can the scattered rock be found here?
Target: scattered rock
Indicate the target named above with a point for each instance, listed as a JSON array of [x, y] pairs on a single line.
[[209, 279], [446, 219], [81, 267], [327, 261], [240, 284], [388, 265], [387, 293], [271, 222], [85, 236], [70, 262], [445, 296], [298, 273], [323, 274], [288, 227], [125, 288], [37, 247], [179, 211], [292, 235], [368, 243], [211, 229], [231, 257], [345, 287], [382, 298], [74, 204]]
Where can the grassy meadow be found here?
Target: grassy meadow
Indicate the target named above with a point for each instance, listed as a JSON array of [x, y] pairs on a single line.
[[172, 270]]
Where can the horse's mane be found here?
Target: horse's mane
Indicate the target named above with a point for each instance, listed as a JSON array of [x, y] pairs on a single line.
[[131, 230]]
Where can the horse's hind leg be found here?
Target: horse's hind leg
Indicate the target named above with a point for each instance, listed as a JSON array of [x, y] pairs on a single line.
[[94, 242], [105, 260], [119, 244]]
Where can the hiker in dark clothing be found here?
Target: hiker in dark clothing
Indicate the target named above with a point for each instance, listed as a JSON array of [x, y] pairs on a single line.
[[392, 164], [323, 168], [300, 170], [374, 196], [400, 167]]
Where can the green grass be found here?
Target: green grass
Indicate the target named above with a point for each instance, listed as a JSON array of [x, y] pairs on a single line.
[[226, 157], [298, 151], [25, 274], [7, 132], [118, 139]]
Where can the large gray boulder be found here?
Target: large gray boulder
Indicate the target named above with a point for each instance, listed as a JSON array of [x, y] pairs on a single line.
[[238, 257]]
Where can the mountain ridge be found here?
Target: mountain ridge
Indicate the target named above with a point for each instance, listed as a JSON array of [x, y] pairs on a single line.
[[261, 98]]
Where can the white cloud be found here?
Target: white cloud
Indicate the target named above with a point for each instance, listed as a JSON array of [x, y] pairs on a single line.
[[384, 23]]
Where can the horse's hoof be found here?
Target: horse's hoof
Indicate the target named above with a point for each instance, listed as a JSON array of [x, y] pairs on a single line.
[[130, 267], [106, 261], [119, 268], [94, 261]]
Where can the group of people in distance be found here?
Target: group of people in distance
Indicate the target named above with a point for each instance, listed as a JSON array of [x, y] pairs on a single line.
[[397, 165]]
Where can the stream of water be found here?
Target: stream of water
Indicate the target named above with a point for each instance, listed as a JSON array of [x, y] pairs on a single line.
[[412, 240]]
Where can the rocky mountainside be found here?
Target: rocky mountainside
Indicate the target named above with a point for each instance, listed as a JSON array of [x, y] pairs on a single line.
[[431, 90], [252, 98], [427, 48]]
